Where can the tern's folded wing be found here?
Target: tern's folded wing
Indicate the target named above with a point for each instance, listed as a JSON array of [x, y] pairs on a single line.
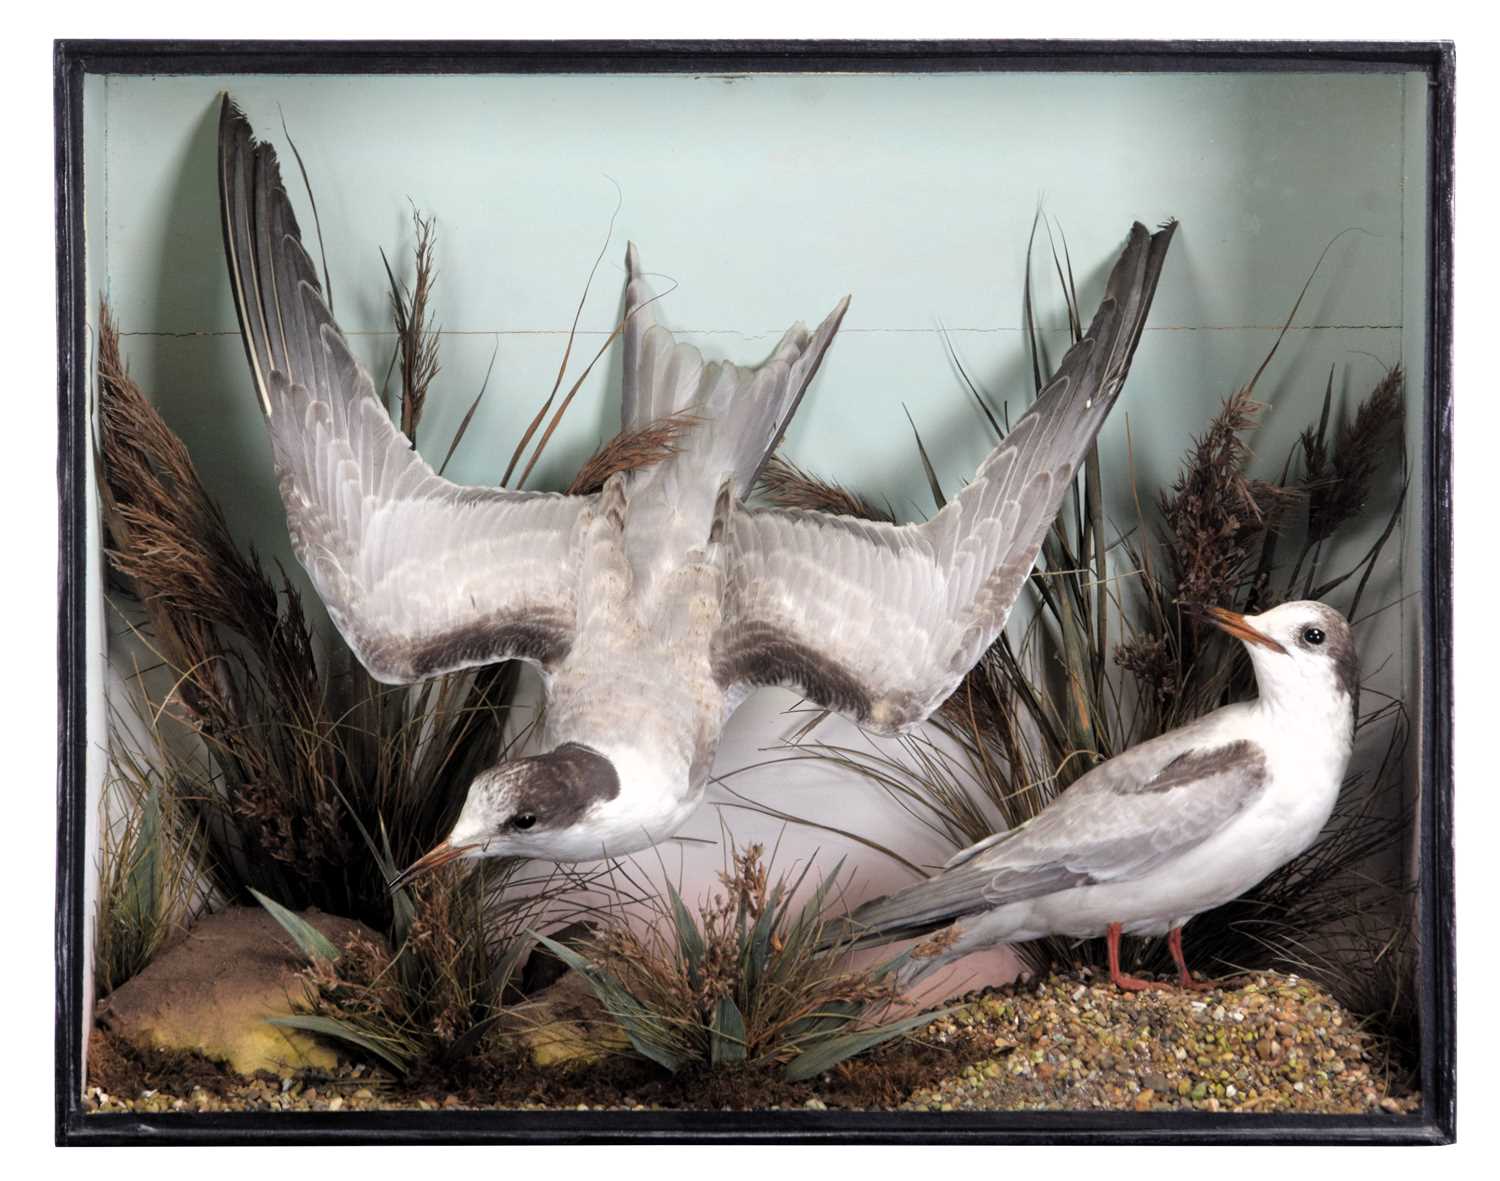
[[1130, 814], [420, 575], [881, 622], [1124, 818]]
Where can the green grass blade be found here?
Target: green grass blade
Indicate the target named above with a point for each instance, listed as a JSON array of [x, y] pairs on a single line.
[[726, 1041], [313, 942], [830, 1017], [329, 1028], [689, 938], [928, 470], [141, 887], [757, 950], [828, 1054], [512, 960], [464, 1045], [809, 920], [623, 1007]]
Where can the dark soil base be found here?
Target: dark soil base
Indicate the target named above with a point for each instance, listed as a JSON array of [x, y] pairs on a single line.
[[1271, 1043], [119, 1067], [177, 1080]]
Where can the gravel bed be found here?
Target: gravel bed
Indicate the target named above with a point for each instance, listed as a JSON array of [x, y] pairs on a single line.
[[1069, 1042]]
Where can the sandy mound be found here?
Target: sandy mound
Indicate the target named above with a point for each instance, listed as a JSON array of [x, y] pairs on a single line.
[[213, 990]]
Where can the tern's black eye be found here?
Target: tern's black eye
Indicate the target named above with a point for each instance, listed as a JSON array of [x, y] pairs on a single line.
[[523, 820], [1313, 636]]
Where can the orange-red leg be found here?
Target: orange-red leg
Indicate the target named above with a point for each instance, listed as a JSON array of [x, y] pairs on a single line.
[[1120, 980], [1184, 977]]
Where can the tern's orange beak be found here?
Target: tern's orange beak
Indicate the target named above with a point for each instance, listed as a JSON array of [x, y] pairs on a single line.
[[433, 859], [1234, 624]]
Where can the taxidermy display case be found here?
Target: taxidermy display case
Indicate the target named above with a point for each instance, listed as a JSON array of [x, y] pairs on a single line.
[[1012, 706]]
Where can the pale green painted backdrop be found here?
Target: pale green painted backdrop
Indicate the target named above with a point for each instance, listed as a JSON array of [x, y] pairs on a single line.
[[765, 199]]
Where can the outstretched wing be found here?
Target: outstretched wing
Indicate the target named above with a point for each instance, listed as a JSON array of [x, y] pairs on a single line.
[[1124, 818], [420, 575], [880, 622]]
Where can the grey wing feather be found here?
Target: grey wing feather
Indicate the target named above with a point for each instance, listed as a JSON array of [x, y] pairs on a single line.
[[881, 622], [420, 575], [1121, 820]]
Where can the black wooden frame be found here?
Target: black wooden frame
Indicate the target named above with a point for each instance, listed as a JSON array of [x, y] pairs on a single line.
[[1436, 1121]]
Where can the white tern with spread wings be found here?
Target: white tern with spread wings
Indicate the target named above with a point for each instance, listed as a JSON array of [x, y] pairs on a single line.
[[655, 607]]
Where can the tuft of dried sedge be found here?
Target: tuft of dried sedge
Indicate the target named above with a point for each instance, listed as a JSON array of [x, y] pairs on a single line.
[[1338, 482], [1215, 511], [416, 340], [631, 450], [679, 990], [788, 486], [1153, 662]]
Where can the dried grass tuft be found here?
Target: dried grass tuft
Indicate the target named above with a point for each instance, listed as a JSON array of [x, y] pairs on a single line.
[[428, 1000], [786, 485], [631, 451], [742, 983], [1339, 485], [149, 853], [416, 338], [1215, 513]]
